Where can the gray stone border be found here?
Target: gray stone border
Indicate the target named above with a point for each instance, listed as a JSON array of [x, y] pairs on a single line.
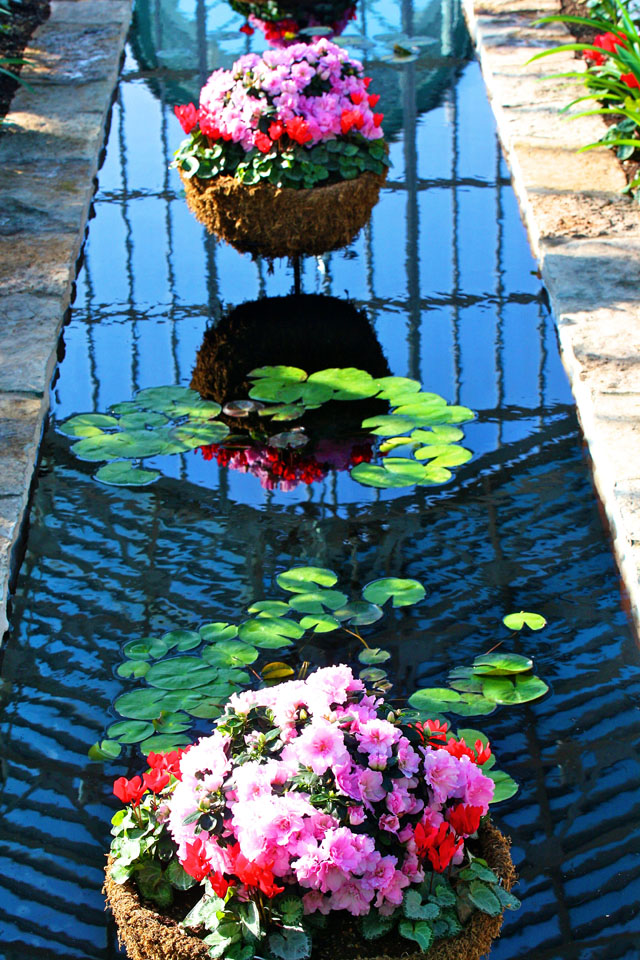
[[586, 236], [49, 155]]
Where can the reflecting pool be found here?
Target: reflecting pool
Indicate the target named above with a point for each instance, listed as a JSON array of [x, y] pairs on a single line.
[[446, 279]]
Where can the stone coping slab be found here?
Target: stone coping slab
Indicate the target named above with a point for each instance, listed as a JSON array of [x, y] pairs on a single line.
[[49, 150], [586, 236]]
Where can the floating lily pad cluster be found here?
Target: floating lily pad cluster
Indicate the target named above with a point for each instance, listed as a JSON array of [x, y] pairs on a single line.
[[191, 673], [420, 445], [495, 679]]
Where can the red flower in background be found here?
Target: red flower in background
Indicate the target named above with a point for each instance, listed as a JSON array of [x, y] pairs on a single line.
[[377, 119], [630, 79], [373, 99], [188, 116], [129, 791], [464, 818]]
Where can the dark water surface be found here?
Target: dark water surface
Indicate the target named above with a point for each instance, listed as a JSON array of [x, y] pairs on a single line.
[[446, 277]]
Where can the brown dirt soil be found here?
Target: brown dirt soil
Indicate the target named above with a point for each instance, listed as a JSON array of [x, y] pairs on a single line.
[[15, 31], [282, 222], [148, 935]]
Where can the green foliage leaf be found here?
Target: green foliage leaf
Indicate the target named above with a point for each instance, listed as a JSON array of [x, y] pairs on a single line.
[[132, 445], [347, 383], [404, 592], [420, 931], [182, 639], [162, 743], [133, 669], [197, 434], [291, 944], [279, 372], [516, 621], [415, 909], [434, 699], [314, 601], [374, 925], [320, 623], [484, 898], [178, 876], [372, 475], [146, 649], [269, 608], [395, 388], [388, 425]]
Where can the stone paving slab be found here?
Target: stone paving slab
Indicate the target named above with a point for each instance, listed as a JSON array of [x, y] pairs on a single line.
[[49, 150], [586, 235]]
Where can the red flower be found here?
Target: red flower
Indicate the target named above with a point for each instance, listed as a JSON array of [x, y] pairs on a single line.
[[377, 119], [458, 748], [607, 42], [373, 99], [262, 142], [367, 81], [167, 762], [219, 884], [630, 79], [276, 130], [246, 28], [209, 128], [347, 120], [129, 791], [188, 117], [357, 98], [437, 730], [298, 130], [156, 781], [464, 818], [442, 847], [251, 874], [195, 863], [423, 838]]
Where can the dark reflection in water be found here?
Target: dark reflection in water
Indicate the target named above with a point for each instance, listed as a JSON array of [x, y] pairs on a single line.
[[446, 278]]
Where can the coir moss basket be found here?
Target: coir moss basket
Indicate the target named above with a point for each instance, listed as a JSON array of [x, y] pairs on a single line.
[[149, 935], [270, 221]]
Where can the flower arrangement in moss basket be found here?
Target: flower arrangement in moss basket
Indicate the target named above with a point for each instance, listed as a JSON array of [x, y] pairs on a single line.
[[284, 22], [285, 154], [312, 801]]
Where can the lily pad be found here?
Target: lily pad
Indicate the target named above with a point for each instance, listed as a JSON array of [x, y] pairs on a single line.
[[436, 699], [291, 439], [197, 409], [505, 786], [122, 473], [373, 655], [270, 634], [501, 664], [405, 468], [163, 743], [444, 455], [438, 434], [320, 623], [105, 750], [269, 608], [516, 621], [392, 387], [142, 419], [130, 731], [131, 445], [133, 669], [372, 674], [147, 648], [142, 704], [87, 425], [199, 434], [182, 639], [371, 475], [162, 395], [181, 673], [242, 408], [276, 670], [348, 383], [359, 613], [403, 592], [522, 689], [298, 579], [230, 653], [280, 372], [313, 601], [212, 632], [388, 425]]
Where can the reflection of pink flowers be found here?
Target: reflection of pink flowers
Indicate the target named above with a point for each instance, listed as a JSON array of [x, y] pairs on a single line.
[[282, 33]]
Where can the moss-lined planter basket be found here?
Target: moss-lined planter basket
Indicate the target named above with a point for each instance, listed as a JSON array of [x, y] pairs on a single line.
[[149, 935], [270, 221]]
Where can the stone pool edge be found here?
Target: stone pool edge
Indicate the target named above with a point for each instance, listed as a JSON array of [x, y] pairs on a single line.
[[49, 157], [586, 237]]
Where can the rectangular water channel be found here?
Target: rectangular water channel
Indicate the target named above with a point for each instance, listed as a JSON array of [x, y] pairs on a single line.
[[445, 276]]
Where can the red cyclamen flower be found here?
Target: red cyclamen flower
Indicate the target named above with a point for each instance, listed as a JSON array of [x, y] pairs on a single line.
[[209, 128], [607, 42], [276, 130], [246, 28], [188, 117], [129, 791], [195, 863], [156, 781], [373, 99], [262, 142], [298, 130], [357, 98], [377, 119], [464, 818], [443, 848]]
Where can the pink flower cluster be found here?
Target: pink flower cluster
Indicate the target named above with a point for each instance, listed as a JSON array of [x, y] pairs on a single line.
[[303, 94], [400, 798]]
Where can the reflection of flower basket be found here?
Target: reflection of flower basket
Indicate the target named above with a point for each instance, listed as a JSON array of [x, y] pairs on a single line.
[[149, 935], [283, 222], [310, 331]]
